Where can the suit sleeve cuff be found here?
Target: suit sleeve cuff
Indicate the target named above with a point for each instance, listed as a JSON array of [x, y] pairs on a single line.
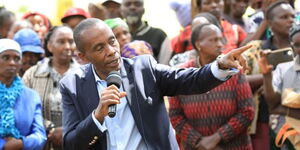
[[102, 127], [220, 74]]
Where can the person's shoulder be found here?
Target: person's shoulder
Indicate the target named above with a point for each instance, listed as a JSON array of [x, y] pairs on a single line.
[[41, 68], [139, 61], [29, 91], [285, 66], [37, 66], [30, 94], [155, 30], [76, 73], [31, 70], [139, 58], [180, 58]]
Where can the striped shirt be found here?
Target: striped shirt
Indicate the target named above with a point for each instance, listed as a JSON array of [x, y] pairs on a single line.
[[227, 109]]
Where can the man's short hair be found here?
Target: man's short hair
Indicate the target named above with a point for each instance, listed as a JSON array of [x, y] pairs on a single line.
[[82, 26], [269, 10], [196, 31]]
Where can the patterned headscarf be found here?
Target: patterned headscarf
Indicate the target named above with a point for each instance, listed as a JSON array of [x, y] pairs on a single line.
[[136, 48]]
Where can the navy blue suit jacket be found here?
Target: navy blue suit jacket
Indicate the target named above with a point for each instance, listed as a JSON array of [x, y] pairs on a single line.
[[145, 83]]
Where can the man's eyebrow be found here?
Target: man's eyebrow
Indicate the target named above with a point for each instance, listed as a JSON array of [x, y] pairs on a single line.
[[97, 45]]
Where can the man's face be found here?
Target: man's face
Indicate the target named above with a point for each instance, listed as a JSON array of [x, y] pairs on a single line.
[[282, 20], [113, 9], [132, 10], [101, 48], [214, 7], [239, 7], [73, 21], [296, 43], [29, 59], [6, 27], [10, 62]]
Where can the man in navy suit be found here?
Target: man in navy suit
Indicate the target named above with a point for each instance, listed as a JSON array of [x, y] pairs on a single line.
[[141, 120]]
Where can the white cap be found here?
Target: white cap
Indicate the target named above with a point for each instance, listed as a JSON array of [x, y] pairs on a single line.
[[8, 44]]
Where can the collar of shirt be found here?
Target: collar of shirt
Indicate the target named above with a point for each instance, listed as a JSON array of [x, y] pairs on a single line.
[[97, 78], [144, 28], [122, 130]]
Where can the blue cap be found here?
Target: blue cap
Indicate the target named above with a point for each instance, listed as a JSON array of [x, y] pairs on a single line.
[[29, 41]]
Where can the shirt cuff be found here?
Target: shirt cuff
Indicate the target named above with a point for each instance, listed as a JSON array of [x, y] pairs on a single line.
[[102, 127], [220, 74]]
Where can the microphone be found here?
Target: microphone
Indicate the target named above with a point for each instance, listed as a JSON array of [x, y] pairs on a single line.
[[113, 78]]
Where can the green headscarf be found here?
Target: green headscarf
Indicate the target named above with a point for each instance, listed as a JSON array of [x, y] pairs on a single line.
[[112, 23]]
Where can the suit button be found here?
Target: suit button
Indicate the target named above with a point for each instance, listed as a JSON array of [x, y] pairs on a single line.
[[95, 137]]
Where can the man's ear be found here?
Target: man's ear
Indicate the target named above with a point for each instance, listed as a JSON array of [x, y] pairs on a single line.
[[82, 56]]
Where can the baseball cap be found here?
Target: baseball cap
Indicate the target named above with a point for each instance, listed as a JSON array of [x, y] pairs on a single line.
[[9, 44], [116, 1], [74, 12], [29, 41]]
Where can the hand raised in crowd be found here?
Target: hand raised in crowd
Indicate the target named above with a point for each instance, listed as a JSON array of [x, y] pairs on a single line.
[[264, 66], [209, 142], [110, 95], [55, 136], [13, 144], [233, 59]]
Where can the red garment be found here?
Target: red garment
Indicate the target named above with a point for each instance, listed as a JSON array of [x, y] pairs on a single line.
[[181, 43], [45, 19], [227, 109], [261, 140], [234, 35]]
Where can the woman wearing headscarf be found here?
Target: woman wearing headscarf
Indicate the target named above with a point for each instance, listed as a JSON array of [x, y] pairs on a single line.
[[21, 121], [45, 76], [128, 49]]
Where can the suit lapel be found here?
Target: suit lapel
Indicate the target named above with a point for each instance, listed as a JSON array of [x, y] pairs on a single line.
[[127, 82], [88, 92]]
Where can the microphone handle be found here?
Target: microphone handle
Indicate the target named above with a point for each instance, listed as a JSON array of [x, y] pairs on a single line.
[[112, 110]]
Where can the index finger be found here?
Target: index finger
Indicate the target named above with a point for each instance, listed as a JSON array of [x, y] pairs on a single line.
[[264, 53], [113, 87], [240, 50]]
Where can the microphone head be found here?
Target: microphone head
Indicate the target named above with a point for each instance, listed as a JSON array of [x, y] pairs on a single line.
[[114, 78]]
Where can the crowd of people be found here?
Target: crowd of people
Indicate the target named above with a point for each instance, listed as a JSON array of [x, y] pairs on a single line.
[[211, 87]]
